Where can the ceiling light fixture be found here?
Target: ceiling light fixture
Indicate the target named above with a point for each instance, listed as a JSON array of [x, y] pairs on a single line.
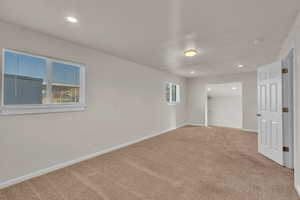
[[190, 52], [208, 89], [240, 66], [192, 72], [234, 88], [71, 19], [258, 41]]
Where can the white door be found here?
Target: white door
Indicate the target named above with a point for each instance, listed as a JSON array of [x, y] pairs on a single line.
[[269, 87]]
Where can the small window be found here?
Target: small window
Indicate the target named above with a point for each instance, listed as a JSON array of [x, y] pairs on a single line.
[[35, 84], [172, 93]]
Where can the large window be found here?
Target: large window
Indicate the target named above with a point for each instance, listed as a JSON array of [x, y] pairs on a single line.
[[33, 84], [172, 93]]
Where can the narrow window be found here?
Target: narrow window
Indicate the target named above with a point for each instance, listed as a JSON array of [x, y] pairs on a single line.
[[172, 93]]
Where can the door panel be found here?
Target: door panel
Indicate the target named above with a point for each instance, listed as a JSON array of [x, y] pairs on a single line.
[[263, 100], [263, 130], [270, 112], [273, 97], [275, 135]]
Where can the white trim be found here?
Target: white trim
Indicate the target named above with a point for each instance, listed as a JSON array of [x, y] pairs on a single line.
[[206, 105], [22, 110], [289, 118], [249, 130], [2, 77], [294, 158], [242, 129], [71, 162], [297, 187], [62, 84], [196, 124]]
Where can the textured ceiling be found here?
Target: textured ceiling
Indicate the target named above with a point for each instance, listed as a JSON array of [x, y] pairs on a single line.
[[156, 32]]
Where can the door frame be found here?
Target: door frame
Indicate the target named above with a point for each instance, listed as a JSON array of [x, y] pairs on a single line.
[[290, 157]]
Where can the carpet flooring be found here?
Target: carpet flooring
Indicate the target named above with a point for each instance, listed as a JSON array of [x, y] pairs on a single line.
[[190, 163]]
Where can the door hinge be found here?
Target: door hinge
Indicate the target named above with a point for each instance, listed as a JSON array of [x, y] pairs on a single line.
[[285, 149], [285, 109], [285, 70]]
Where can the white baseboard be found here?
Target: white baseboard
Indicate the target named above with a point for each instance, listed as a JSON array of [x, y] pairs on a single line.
[[243, 129], [195, 124], [249, 130], [297, 187], [71, 162]]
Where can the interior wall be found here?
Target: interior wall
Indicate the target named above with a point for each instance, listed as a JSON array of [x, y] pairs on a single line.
[[197, 94], [225, 111], [125, 102], [293, 41]]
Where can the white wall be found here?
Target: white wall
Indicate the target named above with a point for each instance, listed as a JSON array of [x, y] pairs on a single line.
[[293, 41], [225, 111], [125, 101], [196, 97]]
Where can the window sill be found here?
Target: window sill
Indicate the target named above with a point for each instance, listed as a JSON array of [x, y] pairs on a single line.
[[34, 109]]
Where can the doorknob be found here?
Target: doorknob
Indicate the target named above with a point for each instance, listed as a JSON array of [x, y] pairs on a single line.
[[258, 115]]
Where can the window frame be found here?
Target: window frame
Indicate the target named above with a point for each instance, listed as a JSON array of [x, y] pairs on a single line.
[[177, 93], [49, 107]]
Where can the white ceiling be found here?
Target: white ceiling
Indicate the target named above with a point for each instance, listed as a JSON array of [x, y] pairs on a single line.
[[224, 90], [156, 32]]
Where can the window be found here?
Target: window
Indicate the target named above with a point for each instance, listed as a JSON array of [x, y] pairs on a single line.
[[35, 84], [65, 83], [172, 93]]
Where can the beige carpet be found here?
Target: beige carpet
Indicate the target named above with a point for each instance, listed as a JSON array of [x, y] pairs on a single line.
[[190, 163]]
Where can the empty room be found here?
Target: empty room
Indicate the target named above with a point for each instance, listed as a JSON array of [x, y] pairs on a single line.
[[149, 100]]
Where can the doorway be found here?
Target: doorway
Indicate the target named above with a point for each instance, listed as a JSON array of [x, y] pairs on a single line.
[[224, 106]]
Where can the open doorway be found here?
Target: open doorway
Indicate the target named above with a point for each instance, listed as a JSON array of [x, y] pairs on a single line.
[[224, 106]]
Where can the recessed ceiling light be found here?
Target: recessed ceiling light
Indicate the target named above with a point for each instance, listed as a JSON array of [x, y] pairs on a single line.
[[234, 88], [258, 41], [208, 89], [192, 72], [190, 52], [240, 66], [71, 19]]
